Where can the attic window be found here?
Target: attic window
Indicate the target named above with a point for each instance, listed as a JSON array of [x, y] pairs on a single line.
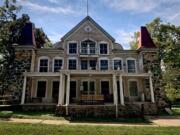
[[88, 29]]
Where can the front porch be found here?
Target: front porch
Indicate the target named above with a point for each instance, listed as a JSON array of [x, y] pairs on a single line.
[[95, 90]]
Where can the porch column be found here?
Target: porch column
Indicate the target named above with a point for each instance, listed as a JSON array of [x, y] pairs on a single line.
[[24, 90], [67, 92], [121, 90], [151, 89], [115, 90], [60, 89]]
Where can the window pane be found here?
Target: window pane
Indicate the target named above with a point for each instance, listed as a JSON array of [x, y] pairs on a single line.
[[91, 87], [104, 64], [85, 87], [72, 64], [92, 64], [117, 64], [131, 66], [133, 88], [92, 48], [57, 65], [84, 64], [103, 49], [55, 89], [72, 48], [41, 89], [43, 65]]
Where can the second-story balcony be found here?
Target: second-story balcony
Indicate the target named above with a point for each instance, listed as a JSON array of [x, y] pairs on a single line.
[[89, 51]]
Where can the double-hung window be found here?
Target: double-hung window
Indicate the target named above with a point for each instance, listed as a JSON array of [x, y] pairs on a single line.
[[72, 64], [84, 64], [43, 65], [103, 48], [57, 64], [117, 64], [104, 64], [131, 66], [72, 48]]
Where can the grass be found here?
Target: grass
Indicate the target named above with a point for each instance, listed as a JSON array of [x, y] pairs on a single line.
[[30, 115], [40, 129]]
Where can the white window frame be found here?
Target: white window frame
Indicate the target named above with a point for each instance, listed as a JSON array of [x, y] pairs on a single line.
[[103, 58], [117, 58], [104, 42], [43, 57], [88, 51], [134, 80], [134, 62], [76, 48], [58, 58], [72, 58]]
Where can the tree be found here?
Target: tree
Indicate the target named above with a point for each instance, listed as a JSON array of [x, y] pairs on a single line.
[[10, 28], [167, 38], [42, 39], [134, 42]]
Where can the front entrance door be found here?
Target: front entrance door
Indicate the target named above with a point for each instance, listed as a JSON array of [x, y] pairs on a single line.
[[105, 91], [55, 91], [72, 90]]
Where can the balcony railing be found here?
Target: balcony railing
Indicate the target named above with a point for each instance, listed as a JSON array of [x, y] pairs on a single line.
[[88, 51]]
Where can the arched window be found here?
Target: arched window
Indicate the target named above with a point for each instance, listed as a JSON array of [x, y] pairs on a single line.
[[88, 47]]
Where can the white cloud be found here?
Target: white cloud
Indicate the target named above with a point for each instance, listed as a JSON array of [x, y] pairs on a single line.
[[132, 5], [124, 37], [55, 37], [47, 9]]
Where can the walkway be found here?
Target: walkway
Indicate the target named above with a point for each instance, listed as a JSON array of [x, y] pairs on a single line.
[[156, 121]]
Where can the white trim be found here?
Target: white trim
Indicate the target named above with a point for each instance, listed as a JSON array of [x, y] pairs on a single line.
[[43, 57], [72, 58], [88, 46], [107, 80], [117, 58], [46, 80], [58, 58], [104, 42], [138, 87], [73, 41], [130, 58], [103, 58]]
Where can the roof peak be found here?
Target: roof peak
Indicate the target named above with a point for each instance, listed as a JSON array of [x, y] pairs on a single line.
[[89, 18]]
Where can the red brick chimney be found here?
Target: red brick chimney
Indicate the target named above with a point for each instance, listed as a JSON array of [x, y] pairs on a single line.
[[145, 40]]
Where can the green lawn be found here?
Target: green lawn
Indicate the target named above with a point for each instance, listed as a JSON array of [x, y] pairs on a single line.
[[40, 129]]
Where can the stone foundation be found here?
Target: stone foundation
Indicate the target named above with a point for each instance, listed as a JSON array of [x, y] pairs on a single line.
[[129, 110]]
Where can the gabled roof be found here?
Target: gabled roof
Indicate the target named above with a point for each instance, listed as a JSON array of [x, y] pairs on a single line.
[[145, 40], [88, 18]]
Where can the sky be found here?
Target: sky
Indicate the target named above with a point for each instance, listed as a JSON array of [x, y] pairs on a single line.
[[120, 18]]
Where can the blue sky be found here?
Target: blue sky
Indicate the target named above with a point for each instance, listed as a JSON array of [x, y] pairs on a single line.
[[120, 18]]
